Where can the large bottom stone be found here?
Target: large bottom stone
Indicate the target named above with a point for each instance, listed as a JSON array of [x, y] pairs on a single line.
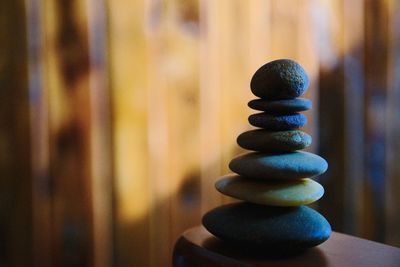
[[272, 229]]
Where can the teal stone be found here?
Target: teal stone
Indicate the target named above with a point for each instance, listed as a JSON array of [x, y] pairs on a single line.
[[267, 141], [279, 79], [292, 165], [268, 228], [281, 106], [278, 122]]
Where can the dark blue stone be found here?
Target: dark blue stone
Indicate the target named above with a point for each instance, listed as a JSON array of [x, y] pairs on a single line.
[[281, 106], [292, 165], [279, 79], [268, 228], [278, 122]]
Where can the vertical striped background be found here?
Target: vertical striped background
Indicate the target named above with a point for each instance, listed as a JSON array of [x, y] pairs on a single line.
[[116, 117]]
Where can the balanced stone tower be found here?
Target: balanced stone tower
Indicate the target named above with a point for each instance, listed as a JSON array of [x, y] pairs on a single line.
[[274, 181]]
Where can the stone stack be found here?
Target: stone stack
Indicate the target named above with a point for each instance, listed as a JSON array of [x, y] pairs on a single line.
[[273, 182]]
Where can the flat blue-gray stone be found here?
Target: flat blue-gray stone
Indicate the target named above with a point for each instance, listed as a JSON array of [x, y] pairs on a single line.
[[281, 106], [267, 141], [279, 79], [278, 122], [268, 228], [292, 165]]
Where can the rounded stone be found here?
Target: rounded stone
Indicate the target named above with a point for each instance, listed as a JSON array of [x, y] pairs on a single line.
[[267, 141], [280, 229], [281, 106], [279, 79], [273, 193], [292, 165], [278, 122]]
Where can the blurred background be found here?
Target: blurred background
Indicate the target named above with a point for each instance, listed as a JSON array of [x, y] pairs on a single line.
[[116, 118]]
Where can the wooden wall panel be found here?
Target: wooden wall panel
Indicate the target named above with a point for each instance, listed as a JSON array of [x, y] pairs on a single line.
[[353, 67], [307, 55], [392, 219], [15, 166], [118, 117], [376, 86], [233, 84], [173, 124], [331, 109], [41, 186], [101, 157], [164, 130], [181, 71], [283, 28], [67, 80], [341, 100], [128, 82], [210, 97], [69, 115]]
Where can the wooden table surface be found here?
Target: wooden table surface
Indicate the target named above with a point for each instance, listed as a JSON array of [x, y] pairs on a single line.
[[198, 248]]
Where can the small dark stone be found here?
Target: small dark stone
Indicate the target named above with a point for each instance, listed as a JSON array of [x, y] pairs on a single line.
[[278, 122], [279, 79], [268, 228], [292, 165], [281, 106], [267, 141]]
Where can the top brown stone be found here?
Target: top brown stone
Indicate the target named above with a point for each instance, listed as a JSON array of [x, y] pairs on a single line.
[[279, 79]]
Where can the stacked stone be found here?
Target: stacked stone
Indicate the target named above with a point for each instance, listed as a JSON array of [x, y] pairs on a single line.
[[274, 181]]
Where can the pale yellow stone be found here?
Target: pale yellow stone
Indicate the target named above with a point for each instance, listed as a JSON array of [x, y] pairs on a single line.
[[274, 193]]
